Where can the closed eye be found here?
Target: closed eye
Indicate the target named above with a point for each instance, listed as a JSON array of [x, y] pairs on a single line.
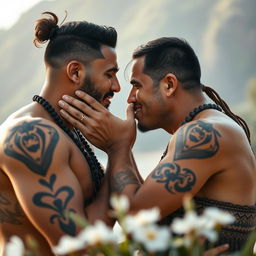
[[136, 85], [109, 75]]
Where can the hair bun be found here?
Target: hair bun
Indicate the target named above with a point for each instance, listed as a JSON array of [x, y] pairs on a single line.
[[53, 32], [45, 28]]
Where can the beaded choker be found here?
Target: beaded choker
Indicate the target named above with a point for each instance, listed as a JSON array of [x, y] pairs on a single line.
[[198, 109], [95, 167]]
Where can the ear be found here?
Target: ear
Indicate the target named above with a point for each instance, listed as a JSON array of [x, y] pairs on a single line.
[[169, 84], [76, 72]]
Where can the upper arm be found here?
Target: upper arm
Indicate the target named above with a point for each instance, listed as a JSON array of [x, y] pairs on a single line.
[[188, 164], [46, 187]]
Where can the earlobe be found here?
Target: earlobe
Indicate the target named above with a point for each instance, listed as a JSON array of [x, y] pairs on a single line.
[[75, 72]]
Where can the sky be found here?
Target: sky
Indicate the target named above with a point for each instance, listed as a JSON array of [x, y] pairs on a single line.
[[11, 10]]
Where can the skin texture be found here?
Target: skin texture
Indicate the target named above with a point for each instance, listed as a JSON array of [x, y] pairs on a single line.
[[43, 174], [207, 157]]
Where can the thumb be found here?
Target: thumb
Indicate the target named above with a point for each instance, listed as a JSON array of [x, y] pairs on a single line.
[[130, 112]]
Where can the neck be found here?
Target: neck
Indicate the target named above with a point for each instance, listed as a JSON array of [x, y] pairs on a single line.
[[53, 96], [182, 108]]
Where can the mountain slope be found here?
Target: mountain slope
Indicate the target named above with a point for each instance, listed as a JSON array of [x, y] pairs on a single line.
[[223, 34]]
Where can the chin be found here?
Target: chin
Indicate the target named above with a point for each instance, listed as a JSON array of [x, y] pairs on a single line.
[[143, 128], [104, 105]]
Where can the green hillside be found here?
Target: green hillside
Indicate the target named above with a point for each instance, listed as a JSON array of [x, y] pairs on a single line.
[[223, 34]]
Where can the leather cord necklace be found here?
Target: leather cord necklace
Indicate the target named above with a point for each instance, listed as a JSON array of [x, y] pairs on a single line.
[[95, 167], [192, 115]]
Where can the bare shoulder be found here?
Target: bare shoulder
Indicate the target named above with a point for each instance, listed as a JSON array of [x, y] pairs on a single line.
[[32, 141], [205, 137], [215, 149], [28, 129]]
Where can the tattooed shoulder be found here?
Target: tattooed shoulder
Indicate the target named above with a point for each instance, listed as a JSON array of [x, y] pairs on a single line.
[[197, 140], [174, 178], [32, 143]]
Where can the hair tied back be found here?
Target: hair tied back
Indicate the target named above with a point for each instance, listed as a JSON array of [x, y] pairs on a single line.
[[53, 32]]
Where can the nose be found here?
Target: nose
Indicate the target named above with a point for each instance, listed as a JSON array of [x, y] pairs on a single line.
[[115, 85], [132, 96]]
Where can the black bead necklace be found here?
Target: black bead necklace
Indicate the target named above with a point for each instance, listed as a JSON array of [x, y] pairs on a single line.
[[198, 109], [95, 167], [192, 115]]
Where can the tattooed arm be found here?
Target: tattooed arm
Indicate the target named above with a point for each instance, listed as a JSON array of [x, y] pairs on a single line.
[[37, 163], [185, 168]]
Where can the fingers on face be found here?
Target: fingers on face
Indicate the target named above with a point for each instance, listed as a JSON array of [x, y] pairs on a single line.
[[75, 107], [75, 122], [89, 100], [69, 109], [130, 111]]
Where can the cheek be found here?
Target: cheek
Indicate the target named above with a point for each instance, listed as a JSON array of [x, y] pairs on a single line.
[[105, 83], [139, 95], [102, 84]]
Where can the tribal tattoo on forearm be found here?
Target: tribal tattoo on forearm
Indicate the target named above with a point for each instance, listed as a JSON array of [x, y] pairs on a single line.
[[123, 179], [57, 200], [174, 178], [32, 143], [198, 140], [10, 212]]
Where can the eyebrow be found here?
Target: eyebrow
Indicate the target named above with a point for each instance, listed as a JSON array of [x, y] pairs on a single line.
[[113, 69]]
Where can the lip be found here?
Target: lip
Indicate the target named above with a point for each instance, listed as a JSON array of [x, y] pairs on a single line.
[[106, 101], [137, 110]]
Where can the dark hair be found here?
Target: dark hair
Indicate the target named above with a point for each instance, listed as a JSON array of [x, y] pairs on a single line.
[[81, 40], [170, 55], [174, 55]]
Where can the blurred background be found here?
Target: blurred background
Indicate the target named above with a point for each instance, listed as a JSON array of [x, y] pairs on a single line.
[[222, 33]]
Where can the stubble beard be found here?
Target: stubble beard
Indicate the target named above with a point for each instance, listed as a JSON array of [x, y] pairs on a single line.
[[89, 88]]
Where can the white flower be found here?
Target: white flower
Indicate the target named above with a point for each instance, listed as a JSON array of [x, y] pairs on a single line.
[[182, 241], [98, 233], [15, 247], [68, 244], [120, 203], [154, 238], [209, 233], [199, 225], [119, 232], [142, 218], [190, 222], [217, 217]]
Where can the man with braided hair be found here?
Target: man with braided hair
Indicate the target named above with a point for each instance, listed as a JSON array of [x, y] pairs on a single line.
[[47, 169], [208, 156]]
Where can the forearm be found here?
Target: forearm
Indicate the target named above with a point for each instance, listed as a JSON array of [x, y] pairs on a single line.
[[136, 169], [123, 176]]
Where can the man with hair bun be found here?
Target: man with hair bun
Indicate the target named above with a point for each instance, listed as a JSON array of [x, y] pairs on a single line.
[[47, 168], [208, 156]]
